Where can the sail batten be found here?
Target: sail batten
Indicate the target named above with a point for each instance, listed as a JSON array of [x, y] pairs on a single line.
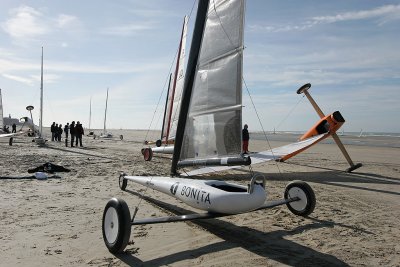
[[219, 57], [221, 109]]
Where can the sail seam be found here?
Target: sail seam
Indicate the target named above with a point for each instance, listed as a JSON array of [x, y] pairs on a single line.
[[227, 54]]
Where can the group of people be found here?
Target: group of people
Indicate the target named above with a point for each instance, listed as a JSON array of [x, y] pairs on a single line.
[[6, 128], [56, 132], [75, 130]]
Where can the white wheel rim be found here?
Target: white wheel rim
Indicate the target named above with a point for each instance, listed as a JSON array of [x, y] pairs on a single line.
[[300, 204], [111, 225]]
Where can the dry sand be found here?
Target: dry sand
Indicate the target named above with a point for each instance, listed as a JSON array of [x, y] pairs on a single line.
[[57, 222]]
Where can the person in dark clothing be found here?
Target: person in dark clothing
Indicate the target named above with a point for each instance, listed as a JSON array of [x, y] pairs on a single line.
[[245, 140], [66, 130], [59, 131], [14, 128], [52, 129], [56, 132], [72, 132], [78, 132]]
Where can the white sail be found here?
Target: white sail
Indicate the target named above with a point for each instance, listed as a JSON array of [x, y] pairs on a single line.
[[213, 126], [41, 99], [105, 115], [176, 87], [1, 112], [105, 134]]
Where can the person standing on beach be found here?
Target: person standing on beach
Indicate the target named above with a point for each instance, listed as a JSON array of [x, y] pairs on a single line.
[[245, 140], [14, 128], [59, 131], [53, 131], [56, 132], [66, 130], [72, 132], [78, 132]]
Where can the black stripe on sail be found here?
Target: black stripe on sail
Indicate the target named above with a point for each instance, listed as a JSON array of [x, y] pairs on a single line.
[[201, 16]]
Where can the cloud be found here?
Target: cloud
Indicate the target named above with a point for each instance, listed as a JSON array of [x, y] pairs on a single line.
[[384, 14], [127, 30], [19, 79], [25, 22], [66, 20], [383, 11]]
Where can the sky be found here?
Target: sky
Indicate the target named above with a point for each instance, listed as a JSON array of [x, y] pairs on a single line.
[[348, 51]]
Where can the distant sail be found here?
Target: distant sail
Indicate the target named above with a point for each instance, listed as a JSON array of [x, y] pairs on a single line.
[[213, 126], [175, 93]]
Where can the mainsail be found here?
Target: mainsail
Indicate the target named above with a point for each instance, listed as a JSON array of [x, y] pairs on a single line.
[[175, 91], [212, 132]]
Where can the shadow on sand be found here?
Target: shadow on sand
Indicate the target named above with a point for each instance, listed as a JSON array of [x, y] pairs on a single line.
[[355, 180], [271, 245]]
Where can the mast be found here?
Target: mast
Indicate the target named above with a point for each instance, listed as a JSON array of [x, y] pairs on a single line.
[[1, 113], [90, 112], [189, 80], [105, 114], [175, 79], [165, 109], [41, 99]]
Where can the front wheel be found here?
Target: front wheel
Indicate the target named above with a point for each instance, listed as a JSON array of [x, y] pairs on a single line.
[[122, 181], [147, 154], [116, 225], [303, 191]]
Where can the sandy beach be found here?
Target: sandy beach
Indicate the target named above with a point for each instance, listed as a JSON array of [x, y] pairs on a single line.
[[57, 222]]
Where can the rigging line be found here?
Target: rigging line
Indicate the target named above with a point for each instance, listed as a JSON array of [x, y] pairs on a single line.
[[166, 81], [175, 114], [262, 127], [147, 187], [190, 14], [220, 23], [290, 112], [159, 99]]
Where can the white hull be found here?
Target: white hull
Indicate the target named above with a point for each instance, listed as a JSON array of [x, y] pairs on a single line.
[[106, 135], [209, 195], [163, 149]]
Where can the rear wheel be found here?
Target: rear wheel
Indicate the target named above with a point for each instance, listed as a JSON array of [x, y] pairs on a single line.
[[116, 225], [147, 154], [306, 203]]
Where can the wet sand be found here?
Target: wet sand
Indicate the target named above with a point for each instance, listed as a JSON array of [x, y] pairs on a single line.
[[57, 222]]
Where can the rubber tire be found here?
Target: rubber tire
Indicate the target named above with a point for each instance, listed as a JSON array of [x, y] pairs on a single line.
[[147, 154], [158, 143], [123, 221], [122, 182], [303, 188]]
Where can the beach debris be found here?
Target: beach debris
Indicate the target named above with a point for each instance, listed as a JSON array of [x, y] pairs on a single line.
[[49, 168]]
